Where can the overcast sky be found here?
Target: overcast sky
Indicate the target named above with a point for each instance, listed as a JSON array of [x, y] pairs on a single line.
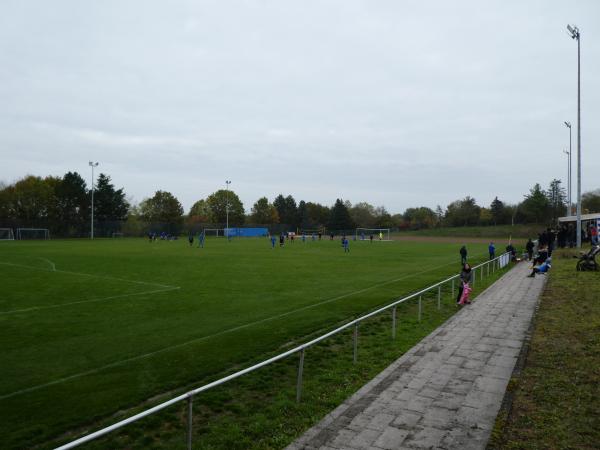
[[398, 103]]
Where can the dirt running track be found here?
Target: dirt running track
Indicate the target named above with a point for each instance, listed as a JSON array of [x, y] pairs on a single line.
[[453, 239]]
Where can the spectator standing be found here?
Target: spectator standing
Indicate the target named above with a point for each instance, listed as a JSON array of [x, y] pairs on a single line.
[[466, 278], [492, 250], [529, 247], [463, 255]]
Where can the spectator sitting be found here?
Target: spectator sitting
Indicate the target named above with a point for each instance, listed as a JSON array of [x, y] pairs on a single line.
[[542, 268]]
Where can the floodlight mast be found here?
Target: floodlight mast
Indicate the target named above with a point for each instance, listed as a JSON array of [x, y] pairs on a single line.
[[576, 34], [570, 152], [227, 183], [92, 165]]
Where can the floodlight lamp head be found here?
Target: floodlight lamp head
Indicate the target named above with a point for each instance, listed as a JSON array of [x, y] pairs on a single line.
[[93, 164], [574, 31], [568, 124]]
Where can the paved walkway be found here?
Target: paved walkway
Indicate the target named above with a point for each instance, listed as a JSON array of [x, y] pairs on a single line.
[[446, 391]]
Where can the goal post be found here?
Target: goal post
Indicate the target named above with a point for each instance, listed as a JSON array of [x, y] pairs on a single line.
[[379, 234], [33, 233], [6, 234], [214, 232]]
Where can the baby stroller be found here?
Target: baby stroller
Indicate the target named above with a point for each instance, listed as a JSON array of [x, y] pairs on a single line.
[[587, 261]]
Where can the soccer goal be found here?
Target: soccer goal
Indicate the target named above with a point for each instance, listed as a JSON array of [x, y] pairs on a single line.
[[33, 233], [214, 232], [117, 235], [6, 234], [379, 234]]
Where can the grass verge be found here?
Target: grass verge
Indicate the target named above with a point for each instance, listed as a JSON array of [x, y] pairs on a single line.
[[555, 398]]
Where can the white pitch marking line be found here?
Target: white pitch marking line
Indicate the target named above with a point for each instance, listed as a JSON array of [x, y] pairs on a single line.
[[203, 338], [49, 262], [88, 275], [91, 300]]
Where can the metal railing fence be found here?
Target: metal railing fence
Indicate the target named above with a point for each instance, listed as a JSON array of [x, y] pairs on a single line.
[[480, 269]]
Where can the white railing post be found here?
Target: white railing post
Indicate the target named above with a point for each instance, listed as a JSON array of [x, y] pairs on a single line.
[[356, 342], [474, 277], [394, 322], [452, 288], [299, 381], [420, 308], [190, 418], [439, 296]]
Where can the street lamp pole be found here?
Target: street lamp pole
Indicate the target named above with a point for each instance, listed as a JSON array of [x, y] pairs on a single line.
[[92, 165], [570, 152], [569, 182], [575, 34], [227, 183]]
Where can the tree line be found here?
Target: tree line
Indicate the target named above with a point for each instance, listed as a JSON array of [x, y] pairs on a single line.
[[63, 204]]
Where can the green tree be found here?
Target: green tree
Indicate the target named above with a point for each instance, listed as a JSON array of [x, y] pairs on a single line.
[[33, 199], [73, 203], [218, 201], [590, 201], [498, 211], [287, 209], [536, 207], [162, 208], [200, 212], [109, 203], [439, 216], [363, 215], [263, 212], [420, 217], [303, 219], [556, 195], [383, 219], [340, 217], [318, 215], [462, 212]]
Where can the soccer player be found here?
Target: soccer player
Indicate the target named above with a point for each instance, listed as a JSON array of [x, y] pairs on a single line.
[[303, 237], [380, 236], [371, 238], [281, 239], [201, 239], [346, 245], [273, 240], [191, 238], [313, 237]]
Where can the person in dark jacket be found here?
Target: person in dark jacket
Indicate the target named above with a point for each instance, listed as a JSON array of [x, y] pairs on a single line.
[[466, 277], [529, 247], [463, 255]]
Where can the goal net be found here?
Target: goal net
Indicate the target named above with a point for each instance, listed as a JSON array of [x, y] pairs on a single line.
[[214, 232], [33, 233], [379, 234], [6, 234], [117, 235]]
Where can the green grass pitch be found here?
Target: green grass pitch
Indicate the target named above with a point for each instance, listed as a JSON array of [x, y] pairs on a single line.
[[89, 328]]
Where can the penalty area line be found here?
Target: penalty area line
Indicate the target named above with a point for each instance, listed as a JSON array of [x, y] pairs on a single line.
[[204, 338]]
